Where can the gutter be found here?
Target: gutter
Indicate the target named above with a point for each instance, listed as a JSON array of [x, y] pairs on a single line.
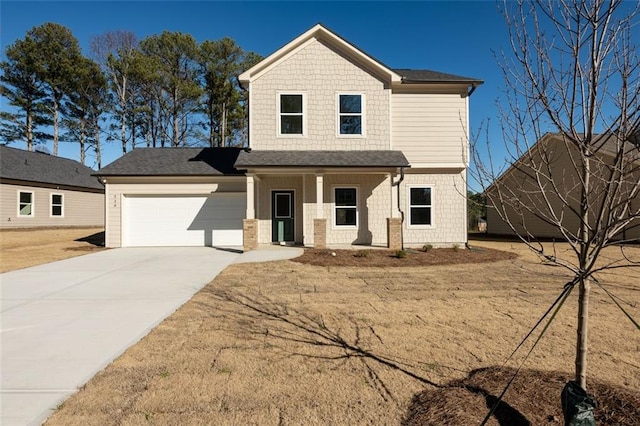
[[397, 184]]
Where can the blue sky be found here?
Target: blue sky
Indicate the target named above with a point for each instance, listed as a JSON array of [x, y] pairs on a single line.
[[456, 37]]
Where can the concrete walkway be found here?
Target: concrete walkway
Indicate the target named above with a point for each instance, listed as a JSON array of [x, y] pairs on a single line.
[[64, 321]]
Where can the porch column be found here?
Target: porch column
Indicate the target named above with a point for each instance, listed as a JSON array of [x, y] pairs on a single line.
[[320, 223], [395, 213], [251, 211], [394, 222], [250, 223], [319, 196]]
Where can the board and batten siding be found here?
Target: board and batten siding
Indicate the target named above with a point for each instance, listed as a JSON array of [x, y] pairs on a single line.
[[79, 208], [117, 189], [430, 128]]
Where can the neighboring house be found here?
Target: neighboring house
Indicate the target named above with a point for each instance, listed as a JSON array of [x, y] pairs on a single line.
[[40, 190], [343, 150], [516, 194]]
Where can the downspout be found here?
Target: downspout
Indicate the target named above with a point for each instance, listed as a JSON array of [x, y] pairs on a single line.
[[397, 184]]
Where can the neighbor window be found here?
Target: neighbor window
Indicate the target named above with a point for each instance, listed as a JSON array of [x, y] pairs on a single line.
[[25, 203], [56, 205], [291, 111], [350, 114], [420, 205], [346, 206]]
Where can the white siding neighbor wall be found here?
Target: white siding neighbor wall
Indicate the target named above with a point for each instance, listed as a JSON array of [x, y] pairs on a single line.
[[320, 74], [78, 208]]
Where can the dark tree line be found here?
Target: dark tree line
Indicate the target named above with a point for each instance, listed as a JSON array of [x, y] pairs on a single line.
[[164, 90]]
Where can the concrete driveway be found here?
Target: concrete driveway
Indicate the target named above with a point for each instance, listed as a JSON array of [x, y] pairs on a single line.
[[64, 321]]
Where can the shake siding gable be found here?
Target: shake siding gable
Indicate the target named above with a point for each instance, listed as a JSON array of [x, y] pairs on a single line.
[[321, 73]]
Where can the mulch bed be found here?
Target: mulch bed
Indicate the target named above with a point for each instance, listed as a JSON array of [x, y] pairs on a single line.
[[412, 257], [532, 399]]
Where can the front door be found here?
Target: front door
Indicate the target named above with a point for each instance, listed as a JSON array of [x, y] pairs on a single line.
[[282, 228]]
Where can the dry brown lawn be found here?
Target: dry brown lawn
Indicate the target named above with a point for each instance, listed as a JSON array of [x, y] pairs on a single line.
[[21, 248], [291, 343]]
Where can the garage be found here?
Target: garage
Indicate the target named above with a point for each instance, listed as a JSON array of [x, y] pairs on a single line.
[[183, 220]]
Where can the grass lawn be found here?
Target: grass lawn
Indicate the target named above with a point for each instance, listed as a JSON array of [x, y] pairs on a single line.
[[21, 248], [293, 343]]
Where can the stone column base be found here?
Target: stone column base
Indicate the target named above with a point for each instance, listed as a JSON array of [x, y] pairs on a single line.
[[394, 233], [320, 233], [249, 234]]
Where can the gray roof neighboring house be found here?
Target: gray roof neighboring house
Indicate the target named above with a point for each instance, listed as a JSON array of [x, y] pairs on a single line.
[[254, 159], [174, 162], [40, 168]]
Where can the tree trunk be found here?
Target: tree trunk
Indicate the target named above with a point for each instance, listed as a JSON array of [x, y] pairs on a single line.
[[123, 116], [583, 328], [223, 129], [29, 132], [98, 148], [55, 127], [82, 137], [583, 295]]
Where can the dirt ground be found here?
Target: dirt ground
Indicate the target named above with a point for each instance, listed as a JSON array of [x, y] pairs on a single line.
[[288, 343], [21, 248]]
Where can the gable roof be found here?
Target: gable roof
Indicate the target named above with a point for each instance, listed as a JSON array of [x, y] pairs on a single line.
[[321, 159], [38, 167], [320, 32], [174, 162]]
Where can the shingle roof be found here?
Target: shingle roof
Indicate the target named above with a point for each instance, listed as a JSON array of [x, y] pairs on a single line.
[[321, 159], [428, 76], [39, 167], [174, 162]]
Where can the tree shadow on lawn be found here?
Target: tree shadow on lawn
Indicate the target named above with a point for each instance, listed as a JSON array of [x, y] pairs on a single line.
[[292, 325], [96, 239]]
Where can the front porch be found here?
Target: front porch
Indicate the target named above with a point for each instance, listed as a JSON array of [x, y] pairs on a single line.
[[337, 208]]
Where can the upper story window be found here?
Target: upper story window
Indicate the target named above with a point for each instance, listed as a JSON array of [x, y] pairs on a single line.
[[420, 205], [291, 111], [25, 204], [56, 205], [350, 114]]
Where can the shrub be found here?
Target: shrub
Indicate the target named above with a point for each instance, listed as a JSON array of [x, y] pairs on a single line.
[[401, 254], [456, 247], [362, 253], [427, 247]]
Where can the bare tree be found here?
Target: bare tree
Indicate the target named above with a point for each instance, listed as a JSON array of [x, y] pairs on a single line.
[[570, 121], [114, 51]]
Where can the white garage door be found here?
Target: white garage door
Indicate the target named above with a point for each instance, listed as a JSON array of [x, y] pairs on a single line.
[[214, 220]]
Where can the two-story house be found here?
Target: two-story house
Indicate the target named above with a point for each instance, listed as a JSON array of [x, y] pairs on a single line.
[[343, 150]]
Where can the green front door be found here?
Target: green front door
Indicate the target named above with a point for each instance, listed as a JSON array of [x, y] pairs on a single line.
[[282, 228]]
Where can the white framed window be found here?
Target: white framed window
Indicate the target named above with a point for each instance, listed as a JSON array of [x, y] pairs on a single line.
[[420, 205], [345, 206], [350, 107], [26, 204], [57, 205], [292, 120]]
